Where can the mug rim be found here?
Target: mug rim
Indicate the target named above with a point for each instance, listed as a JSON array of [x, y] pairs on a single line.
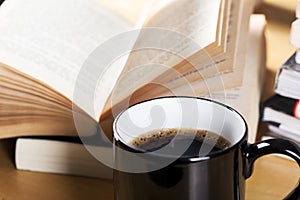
[[192, 158]]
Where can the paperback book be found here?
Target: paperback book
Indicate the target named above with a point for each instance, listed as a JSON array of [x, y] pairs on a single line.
[[283, 104], [61, 156], [45, 44], [288, 79], [279, 132]]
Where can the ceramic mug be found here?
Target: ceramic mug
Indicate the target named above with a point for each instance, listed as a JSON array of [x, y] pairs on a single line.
[[211, 175]]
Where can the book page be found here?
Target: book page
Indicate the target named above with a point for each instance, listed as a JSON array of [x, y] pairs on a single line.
[[200, 73], [218, 64], [173, 34], [245, 99], [214, 77], [51, 39], [136, 11]]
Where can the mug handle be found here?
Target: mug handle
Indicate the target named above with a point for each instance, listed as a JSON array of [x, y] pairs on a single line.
[[253, 151]]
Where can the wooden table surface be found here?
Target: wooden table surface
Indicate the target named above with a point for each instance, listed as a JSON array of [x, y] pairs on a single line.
[[273, 176], [272, 179]]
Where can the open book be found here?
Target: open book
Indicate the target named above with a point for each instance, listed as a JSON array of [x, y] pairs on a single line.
[[96, 57]]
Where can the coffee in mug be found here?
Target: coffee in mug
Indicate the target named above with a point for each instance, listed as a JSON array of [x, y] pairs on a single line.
[[174, 138]]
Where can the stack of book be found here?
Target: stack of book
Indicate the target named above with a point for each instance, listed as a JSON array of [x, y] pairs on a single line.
[[45, 44], [281, 112]]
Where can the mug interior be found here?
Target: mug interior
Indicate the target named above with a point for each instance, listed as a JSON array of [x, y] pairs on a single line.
[[179, 112]]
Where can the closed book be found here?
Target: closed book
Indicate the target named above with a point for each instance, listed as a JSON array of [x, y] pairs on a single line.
[[288, 79], [281, 119], [60, 157], [279, 132], [283, 104]]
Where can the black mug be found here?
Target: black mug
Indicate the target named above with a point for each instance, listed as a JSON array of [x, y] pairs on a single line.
[[163, 174]]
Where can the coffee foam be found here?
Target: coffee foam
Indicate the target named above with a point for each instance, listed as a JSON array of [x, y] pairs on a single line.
[[170, 133]]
